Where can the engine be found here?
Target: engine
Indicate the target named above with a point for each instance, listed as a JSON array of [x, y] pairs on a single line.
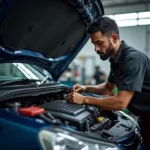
[[88, 119], [80, 116]]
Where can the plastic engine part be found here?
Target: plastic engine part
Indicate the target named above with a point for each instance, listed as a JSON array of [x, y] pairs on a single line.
[[31, 111]]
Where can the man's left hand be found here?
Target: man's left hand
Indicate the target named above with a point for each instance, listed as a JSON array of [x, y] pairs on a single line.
[[75, 98]]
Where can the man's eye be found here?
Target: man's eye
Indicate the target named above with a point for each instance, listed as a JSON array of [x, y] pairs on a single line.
[[100, 43]]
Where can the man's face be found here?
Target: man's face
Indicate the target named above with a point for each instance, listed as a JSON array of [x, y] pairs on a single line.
[[103, 45]]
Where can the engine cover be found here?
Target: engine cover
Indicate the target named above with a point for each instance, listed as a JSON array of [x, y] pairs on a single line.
[[79, 116]]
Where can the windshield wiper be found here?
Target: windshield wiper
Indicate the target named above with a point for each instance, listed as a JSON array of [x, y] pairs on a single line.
[[22, 81]]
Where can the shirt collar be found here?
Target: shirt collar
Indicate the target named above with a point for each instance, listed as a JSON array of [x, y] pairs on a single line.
[[119, 55]]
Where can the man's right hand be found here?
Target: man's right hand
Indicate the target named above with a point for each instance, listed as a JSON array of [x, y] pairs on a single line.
[[79, 88]]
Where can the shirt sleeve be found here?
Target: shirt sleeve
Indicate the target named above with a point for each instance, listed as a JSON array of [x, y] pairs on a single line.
[[132, 75], [111, 78]]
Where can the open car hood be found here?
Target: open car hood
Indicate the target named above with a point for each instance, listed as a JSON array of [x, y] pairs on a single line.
[[49, 33]]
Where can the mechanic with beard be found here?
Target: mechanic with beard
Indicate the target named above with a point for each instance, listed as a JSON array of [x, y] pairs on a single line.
[[130, 73]]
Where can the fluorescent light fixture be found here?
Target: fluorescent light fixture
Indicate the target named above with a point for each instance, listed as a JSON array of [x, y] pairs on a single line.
[[143, 21], [111, 16], [127, 16], [144, 14], [126, 23], [131, 19]]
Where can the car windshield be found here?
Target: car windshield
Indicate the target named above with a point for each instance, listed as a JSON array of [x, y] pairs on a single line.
[[18, 71]]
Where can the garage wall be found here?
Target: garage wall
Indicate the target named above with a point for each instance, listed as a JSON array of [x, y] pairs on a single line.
[[136, 36]]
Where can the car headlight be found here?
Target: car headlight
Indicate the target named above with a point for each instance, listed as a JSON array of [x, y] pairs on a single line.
[[59, 141]]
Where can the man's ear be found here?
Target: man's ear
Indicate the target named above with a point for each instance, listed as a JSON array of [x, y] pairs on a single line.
[[114, 37]]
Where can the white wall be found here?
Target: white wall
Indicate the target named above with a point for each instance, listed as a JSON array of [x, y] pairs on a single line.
[[134, 36]]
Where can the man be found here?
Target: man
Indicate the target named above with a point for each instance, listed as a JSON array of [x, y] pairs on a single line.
[[99, 76], [130, 73]]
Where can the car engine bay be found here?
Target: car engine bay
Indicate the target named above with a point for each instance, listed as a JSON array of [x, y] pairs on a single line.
[[90, 120]]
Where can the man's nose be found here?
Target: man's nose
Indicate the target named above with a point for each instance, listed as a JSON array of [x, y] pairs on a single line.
[[97, 48]]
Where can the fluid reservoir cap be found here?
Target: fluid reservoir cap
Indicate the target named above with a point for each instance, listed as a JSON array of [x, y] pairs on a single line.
[[100, 119]]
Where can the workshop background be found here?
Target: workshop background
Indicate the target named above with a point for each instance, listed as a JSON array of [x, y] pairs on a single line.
[[133, 19]]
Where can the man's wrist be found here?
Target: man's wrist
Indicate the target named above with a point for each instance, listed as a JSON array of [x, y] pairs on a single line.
[[85, 88], [85, 100]]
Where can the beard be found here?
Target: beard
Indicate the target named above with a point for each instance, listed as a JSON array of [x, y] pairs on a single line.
[[110, 50]]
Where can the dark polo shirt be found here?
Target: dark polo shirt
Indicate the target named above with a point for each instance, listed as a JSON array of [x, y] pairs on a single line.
[[130, 71]]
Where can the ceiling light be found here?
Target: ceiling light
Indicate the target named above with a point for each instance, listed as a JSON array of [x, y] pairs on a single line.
[[126, 23], [127, 16], [143, 21], [144, 14], [110, 16]]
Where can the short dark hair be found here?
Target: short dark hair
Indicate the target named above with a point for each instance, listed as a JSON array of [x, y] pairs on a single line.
[[105, 25]]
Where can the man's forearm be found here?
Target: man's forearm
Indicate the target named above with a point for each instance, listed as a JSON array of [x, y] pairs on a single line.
[[101, 89], [109, 103]]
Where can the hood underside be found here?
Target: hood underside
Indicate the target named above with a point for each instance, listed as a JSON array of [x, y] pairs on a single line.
[[55, 28], [42, 26]]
